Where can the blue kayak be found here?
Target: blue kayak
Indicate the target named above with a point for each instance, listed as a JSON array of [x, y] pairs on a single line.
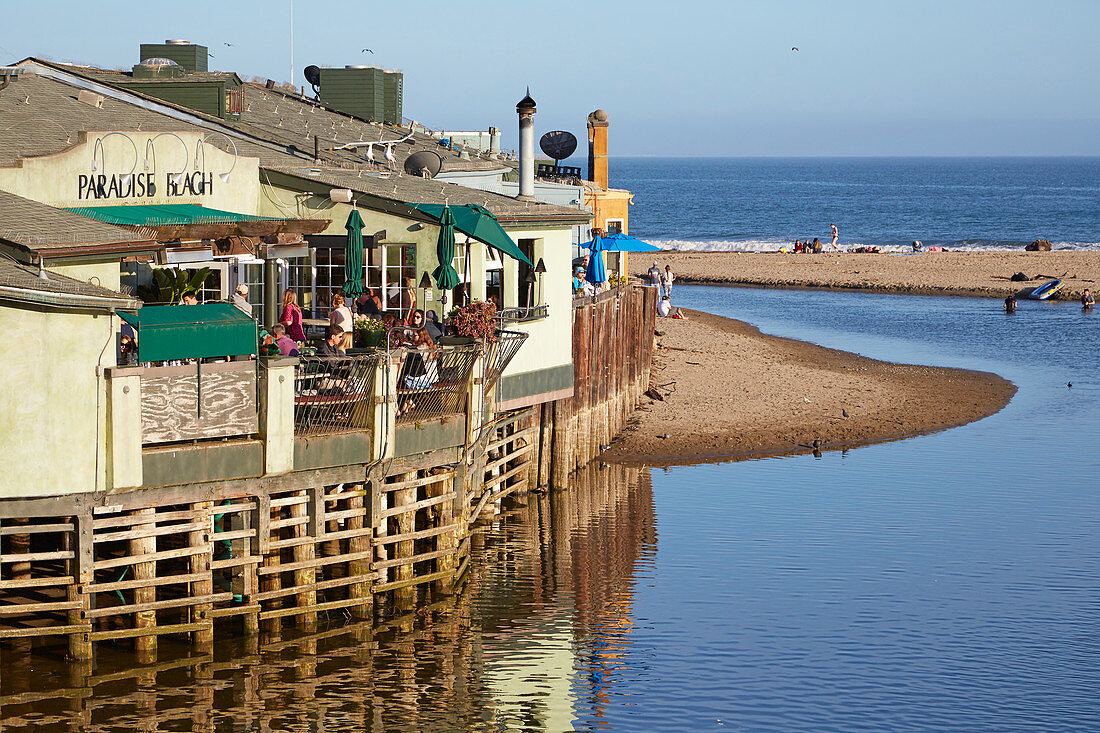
[[1046, 290]]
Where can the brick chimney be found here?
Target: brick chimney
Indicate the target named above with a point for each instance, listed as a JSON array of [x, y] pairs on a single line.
[[597, 148]]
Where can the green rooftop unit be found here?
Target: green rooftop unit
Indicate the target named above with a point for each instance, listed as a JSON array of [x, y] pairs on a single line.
[[366, 92], [191, 56]]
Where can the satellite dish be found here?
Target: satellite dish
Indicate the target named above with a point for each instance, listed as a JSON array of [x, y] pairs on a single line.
[[559, 144], [425, 163], [313, 75]]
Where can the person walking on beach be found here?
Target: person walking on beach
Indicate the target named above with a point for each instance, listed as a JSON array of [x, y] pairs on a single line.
[[654, 275], [836, 235], [666, 281]]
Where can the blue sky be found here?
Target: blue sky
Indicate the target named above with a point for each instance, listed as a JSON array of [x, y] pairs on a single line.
[[692, 78]]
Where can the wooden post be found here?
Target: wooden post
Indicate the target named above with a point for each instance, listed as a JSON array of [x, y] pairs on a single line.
[[271, 627], [404, 598], [200, 563], [444, 541], [304, 577], [145, 645], [359, 544], [80, 568]]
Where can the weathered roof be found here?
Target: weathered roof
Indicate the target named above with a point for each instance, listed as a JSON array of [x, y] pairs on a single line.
[[115, 76], [413, 189], [36, 227], [42, 116], [25, 277]]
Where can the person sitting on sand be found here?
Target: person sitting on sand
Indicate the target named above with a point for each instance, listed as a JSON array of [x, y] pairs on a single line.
[[664, 307], [917, 246], [1087, 301], [817, 246], [1010, 304]]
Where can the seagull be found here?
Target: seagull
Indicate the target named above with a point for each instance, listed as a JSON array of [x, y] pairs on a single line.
[[229, 44], [389, 156], [366, 50], [370, 152], [794, 48], [844, 412]]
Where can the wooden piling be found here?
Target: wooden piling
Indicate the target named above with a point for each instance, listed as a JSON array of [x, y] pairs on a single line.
[[145, 644]]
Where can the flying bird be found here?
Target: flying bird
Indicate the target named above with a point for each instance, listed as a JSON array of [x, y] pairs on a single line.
[[794, 48], [229, 44], [366, 50]]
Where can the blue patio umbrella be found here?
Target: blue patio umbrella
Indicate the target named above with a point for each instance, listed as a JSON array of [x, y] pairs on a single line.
[[625, 243], [596, 272]]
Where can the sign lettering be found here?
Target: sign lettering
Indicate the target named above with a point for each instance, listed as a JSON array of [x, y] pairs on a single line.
[[142, 185]]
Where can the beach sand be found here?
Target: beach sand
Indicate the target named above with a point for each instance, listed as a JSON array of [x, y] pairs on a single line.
[[732, 392], [929, 273]]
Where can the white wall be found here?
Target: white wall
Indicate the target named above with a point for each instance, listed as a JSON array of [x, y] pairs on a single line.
[[53, 407]]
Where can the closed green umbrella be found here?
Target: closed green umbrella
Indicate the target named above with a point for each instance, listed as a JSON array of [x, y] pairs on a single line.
[[446, 277], [353, 256]]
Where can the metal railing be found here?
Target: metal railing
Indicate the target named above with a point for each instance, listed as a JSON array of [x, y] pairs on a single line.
[[334, 395], [523, 315], [432, 382], [499, 354]]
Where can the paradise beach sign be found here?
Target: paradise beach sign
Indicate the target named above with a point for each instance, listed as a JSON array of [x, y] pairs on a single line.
[[140, 168]]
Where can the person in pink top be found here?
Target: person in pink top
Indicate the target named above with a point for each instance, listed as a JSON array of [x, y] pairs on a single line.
[[292, 317]]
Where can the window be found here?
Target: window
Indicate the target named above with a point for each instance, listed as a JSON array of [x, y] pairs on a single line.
[[251, 274], [215, 287], [400, 278], [494, 277], [234, 101], [614, 226], [527, 278]]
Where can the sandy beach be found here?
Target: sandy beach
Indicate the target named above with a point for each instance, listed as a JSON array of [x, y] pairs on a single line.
[[730, 391], [929, 273]]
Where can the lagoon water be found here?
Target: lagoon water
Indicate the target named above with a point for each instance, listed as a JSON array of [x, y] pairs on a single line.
[[944, 582]]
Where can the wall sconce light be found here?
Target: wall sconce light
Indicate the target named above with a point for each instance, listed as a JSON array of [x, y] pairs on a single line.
[[151, 152], [417, 226], [98, 148], [199, 149], [540, 268], [425, 281]]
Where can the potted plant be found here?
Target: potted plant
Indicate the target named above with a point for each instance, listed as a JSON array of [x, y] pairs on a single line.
[[474, 322], [368, 331]]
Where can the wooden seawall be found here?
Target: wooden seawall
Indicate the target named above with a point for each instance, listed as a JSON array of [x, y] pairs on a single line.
[[612, 358], [212, 559]]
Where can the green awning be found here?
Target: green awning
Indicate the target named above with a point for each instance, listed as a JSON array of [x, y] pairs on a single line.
[[168, 332], [163, 215], [480, 224]]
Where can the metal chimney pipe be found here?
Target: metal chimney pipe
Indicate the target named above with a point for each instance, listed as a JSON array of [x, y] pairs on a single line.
[[526, 111]]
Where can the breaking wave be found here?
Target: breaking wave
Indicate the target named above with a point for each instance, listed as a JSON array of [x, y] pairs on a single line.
[[774, 245]]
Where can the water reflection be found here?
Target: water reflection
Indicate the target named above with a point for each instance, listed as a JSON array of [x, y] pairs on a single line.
[[533, 642]]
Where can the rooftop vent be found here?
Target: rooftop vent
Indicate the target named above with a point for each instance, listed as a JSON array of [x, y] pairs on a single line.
[[158, 61], [87, 97]]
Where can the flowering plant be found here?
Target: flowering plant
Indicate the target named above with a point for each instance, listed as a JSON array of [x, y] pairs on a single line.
[[616, 280], [364, 324], [476, 320]]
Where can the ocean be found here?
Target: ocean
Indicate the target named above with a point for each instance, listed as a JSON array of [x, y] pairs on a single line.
[[755, 204]]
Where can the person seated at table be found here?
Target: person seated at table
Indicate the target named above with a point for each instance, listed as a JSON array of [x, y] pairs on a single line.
[[431, 322], [128, 352], [419, 369], [286, 345], [368, 304], [417, 321], [332, 346]]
